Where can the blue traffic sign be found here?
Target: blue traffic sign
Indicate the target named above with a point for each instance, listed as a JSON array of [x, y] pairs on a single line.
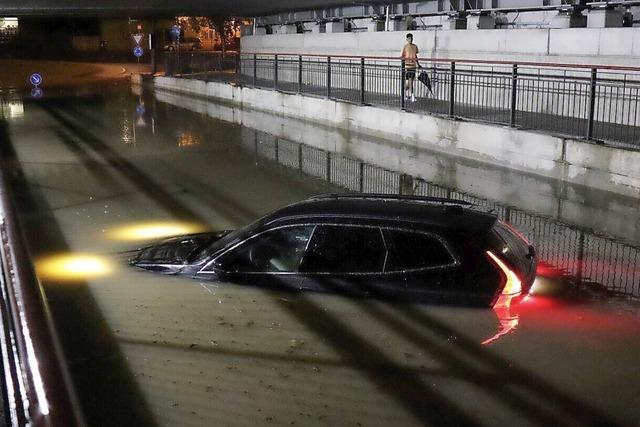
[[35, 79], [37, 92], [138, 51], [175, 31], [140, 109]]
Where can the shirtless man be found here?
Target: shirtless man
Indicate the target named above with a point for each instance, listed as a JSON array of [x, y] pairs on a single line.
[[410, 56]]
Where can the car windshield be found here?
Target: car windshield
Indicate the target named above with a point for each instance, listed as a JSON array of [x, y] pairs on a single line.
[[215, 246]]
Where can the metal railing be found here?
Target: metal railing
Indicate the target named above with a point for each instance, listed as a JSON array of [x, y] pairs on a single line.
[[594, 102], [591, 260], [218, 65], [35, 381]]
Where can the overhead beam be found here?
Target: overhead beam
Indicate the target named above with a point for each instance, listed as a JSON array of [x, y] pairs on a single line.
[[142, 8]]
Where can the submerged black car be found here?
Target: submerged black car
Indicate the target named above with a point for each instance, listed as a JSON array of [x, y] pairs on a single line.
[[387, 246]]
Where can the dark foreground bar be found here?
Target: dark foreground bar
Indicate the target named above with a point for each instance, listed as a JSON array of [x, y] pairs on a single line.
[[36, 384]]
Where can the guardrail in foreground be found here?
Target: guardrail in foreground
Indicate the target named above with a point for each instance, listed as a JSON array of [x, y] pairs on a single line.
[[595, 102], [35, 380]]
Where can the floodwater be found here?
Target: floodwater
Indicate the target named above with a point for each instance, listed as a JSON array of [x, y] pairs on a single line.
[[101, 171]]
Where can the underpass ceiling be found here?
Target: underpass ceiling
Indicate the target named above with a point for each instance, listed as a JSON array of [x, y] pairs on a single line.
[[164, 7]]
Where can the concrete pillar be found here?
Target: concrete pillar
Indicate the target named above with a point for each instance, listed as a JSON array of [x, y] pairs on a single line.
[[568, 20], [335, 27], [319, 28], [260, 31], [246, 30], [457, 23], [481, 22], [288, 29], [605, 18], [374, 26], [397, 25]]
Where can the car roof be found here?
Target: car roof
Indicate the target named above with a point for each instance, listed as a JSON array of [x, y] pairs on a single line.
[[421, 211]]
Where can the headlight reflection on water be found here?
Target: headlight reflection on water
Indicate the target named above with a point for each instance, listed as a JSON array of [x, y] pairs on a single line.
[[73, 267], [153, 230]]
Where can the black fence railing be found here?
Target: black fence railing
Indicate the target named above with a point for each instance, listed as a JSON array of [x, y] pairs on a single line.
[[590, 260], [600, 103], [207, 65]]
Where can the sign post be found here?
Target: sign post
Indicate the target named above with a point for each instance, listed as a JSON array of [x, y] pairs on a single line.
[[36, 80], [175, 34], [137, 50]]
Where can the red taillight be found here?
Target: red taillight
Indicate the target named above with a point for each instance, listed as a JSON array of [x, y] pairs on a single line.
[[513, 284]]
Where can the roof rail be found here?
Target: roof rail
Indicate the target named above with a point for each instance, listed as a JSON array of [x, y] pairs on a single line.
[[376, 196]]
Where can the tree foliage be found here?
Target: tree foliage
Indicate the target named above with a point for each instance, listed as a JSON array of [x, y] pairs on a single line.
[[224, 26]]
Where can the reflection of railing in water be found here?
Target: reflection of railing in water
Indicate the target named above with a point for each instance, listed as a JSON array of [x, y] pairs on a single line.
[[578, 253]]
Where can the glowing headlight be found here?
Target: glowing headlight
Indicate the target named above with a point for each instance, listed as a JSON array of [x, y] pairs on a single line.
[[153, 230], [73, 267]]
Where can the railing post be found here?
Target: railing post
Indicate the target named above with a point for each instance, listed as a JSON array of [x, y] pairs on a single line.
[[362, 81], [402, 83], [328, 171], [405, 185], [299, 73], [592, 102], [275, 72], [580, 260], [328, 77], [255, 70], [514, 95], [238, 67], [452, 90]]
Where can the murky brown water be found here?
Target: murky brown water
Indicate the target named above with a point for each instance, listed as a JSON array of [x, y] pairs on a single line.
[[99, 178]]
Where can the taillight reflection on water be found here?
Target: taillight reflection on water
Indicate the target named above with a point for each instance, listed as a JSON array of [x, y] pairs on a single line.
[[512, 289]]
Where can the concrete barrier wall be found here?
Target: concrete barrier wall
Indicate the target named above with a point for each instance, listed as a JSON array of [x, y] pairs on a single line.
[[610, 46], [541, 154]]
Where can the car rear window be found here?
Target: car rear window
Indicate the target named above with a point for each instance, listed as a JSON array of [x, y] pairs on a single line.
[[414, 250], [345, 249]]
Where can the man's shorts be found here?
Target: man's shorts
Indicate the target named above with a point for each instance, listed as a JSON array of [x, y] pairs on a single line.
[[410, 74]]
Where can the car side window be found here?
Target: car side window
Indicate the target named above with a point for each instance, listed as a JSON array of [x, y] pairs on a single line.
[[278, 250], [345, 249], [410, 250]]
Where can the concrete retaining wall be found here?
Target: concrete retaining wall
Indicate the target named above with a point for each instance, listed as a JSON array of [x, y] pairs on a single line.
[[578, 162], [611, 46]]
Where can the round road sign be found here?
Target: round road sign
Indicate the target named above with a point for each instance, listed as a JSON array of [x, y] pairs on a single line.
[[175, 31], [35, 79], [138, 51]]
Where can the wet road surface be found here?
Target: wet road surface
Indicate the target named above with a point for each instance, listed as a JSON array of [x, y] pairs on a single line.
[[98, 175]]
